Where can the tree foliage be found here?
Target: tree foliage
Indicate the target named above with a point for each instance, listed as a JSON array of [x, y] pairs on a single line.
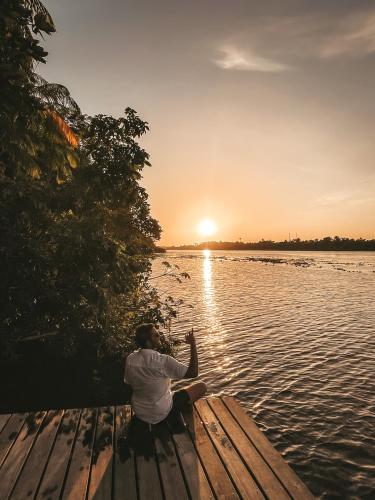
[[76, 231], [31, 138]]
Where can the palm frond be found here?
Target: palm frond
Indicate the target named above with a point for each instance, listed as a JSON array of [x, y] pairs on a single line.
[[63, 128], [42, 20], [39, 80], [36, 7], [56, 96]]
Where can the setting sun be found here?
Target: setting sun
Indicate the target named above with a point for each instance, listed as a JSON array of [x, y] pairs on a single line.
[[207, 227]]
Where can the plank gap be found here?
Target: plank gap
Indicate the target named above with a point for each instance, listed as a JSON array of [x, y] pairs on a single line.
[[286, 475], [114, 448], [92, 455], [179, 461], [178, 442], [32, 472], [49, 455], [219, 488], [19, 453], [233, 464], [157, 464], [28, 453], [71, 453], [4, 419], [18, 428], [137, 487], [255, 463]]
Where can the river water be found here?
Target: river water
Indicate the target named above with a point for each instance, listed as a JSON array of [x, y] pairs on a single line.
[[292, 336]]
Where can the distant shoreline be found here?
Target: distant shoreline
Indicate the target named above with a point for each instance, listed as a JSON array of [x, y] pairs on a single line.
[[325, 244]]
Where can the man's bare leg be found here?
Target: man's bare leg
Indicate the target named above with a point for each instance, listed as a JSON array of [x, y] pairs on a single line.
[[196, 391]]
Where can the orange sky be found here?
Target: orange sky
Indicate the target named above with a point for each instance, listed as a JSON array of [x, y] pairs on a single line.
[[261, 114]]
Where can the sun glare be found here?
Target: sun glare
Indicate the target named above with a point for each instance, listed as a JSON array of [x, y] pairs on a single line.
[[207, 227]]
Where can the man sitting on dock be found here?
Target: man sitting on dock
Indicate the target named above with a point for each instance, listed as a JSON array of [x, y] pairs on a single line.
[[149, 373]]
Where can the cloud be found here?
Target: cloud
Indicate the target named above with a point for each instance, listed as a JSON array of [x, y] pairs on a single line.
[[334, 198], [297, 39], [234, 59], [350, 198], [354, 35], [363, 201]]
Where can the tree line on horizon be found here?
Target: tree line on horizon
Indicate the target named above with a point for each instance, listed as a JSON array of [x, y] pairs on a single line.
[[327, 243]]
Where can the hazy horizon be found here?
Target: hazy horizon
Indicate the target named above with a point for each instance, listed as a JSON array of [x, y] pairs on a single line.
[[261, 115]]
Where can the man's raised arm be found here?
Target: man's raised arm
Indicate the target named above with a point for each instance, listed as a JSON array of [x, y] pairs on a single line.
[[192, 370]]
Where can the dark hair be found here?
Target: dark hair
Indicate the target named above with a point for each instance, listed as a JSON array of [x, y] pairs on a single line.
[[143, 334]]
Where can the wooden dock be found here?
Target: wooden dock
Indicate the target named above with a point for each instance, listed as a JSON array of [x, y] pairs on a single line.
[[77, 454]]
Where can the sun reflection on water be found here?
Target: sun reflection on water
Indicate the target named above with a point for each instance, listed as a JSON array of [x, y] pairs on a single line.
[[214, 327], [207, 275]]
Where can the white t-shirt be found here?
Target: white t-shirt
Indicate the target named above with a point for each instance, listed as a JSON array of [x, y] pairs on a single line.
[[150, 373]]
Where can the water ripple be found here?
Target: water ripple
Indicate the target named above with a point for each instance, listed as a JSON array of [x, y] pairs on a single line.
[[292, 336]]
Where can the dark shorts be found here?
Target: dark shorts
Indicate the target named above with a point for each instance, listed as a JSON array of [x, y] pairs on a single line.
[[140, 434], [138, 429], [181, 400]]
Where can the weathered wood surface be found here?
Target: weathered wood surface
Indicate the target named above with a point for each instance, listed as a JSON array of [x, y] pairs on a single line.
[[219, 453]]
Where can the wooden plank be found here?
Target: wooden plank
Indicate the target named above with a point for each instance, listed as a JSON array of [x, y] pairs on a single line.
[[101, 466], [73, 457], [233, 463], [53, 477], [148, 481], [3, 421], [149, 486], [215, 470], [195, 476], [148, 478], [296, 488], [10, 433], [263, 474], [32, 471], [124, 481], [79, 469], [170, 471], [18, 454]]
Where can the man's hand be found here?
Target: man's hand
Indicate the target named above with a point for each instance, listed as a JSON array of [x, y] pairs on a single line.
[[189, 337]]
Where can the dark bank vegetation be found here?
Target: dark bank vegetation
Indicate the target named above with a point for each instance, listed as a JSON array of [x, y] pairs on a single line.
[[77, 236], [328, 243]]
